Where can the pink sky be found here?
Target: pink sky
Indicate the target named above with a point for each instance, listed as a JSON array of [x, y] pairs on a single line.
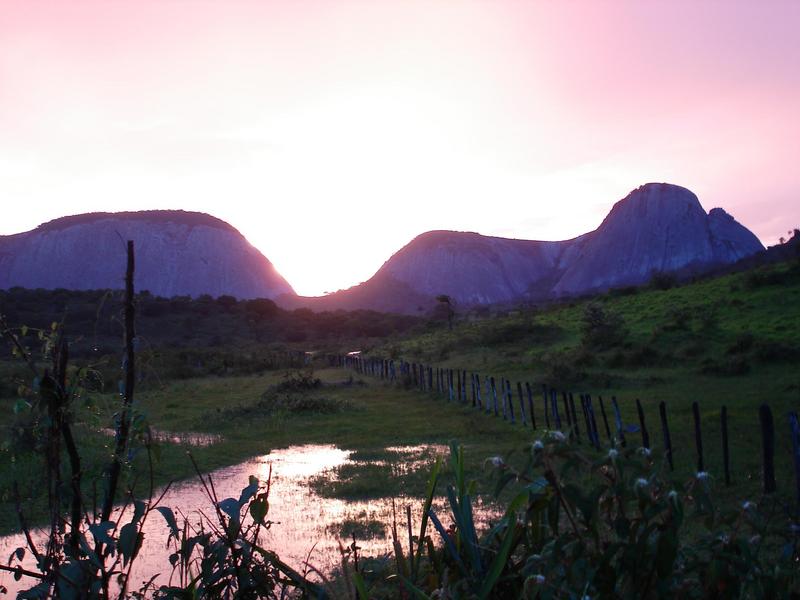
[[331, 133]]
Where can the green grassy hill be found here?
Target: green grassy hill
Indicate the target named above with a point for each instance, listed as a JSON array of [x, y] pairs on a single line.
[[732, 340]]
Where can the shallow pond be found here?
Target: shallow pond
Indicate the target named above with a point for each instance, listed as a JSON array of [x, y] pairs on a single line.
[[306, 527]]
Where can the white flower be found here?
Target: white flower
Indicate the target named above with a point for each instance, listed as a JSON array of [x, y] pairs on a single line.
[[640, 483], [613, 453], [538, 579], [558, 436], [702, 475], [496, 461], [724, 539], [748, 505], [538, 445], [644, 451], [673, 495]]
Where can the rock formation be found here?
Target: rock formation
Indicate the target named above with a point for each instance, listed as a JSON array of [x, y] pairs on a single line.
[[177, 253]]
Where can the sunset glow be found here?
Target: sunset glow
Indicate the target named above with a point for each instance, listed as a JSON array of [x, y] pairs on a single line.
[[332, 133]]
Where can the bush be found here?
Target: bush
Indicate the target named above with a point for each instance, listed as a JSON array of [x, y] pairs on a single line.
[[663, 281], [601, 328], [731, 366], [560, 370], [598, 525]]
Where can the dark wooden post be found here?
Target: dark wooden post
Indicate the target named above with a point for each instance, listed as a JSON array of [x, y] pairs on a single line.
[[618, 421], [767, 447], [472, 386], [794, 428], [643, 425], [726, 457], [530, 404], [521, 403], [478, 390], [554, 407], [458, 386], [546, 408], [464, 386], [503, 397], [595, 432], [585, 411], [698, 436], [123, 429], [662, 411], [494, 395], [510, 401], [575, 426], [605, 418], [566, 412], [430, 379]]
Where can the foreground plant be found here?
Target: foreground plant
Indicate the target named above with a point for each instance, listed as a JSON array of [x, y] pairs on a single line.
[[610, 526]]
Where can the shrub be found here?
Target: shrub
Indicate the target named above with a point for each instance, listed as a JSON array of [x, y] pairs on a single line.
[[663, 281], [589, 525], [730, 366], [601, 328]]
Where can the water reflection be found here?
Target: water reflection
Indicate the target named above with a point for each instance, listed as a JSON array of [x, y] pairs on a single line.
[[305, 523], [187, 438]]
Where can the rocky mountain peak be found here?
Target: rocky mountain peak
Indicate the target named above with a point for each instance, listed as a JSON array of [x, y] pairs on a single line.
[[178, 253]]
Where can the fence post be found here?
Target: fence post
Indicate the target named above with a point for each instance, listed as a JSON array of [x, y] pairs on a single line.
[[566, 412], [478, 390], [521, 404], [643, 425], [662, 411], [585, 412], [794, 428], [458, 385], [554, 407], [575, 426], [450, 392], [510, 399], [698, 436], [595, 432], [464, 386], [618, 421], [768, 447], [530, 404], [546, 408], [494, 396], [605, 418], [726, 457]]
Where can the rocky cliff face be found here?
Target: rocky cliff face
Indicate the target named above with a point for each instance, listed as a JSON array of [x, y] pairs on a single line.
[[177, 253], [657, 228]]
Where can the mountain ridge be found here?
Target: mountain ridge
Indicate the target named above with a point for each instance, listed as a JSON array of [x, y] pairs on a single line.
[[657, 227]]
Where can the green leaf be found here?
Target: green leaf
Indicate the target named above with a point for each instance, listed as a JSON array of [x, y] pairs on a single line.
[[361, 588], [230, 507], [100, 532], [169, 517], [500, 560], [130, 541], [21, 405], [259, 508]]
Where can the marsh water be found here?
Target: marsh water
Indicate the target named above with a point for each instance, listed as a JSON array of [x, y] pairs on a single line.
[[306, 526]]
